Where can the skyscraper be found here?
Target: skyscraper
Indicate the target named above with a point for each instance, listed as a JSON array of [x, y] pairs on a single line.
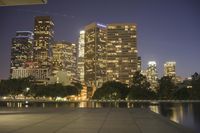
[[64, 58], [43, 38], [139, 64], [81, 52], [121, 52], [152, 75], [95, 54], [21, 53], [170, 69]]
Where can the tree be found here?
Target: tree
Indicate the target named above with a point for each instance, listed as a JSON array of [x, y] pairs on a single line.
[[38, 90], [140, 88], [3, 88], [70, 90], [140, 80], [15, 86], [111, 90], [166, 87], [181, 93], [195, 91], [78, 86]]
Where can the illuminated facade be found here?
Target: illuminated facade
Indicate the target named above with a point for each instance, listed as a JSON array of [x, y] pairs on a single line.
[[81, 56], [170, 69], [152, 75], [61, 77], [43, 38], [64, 58], [39, 74], [21, 51], [121, 52], [139, 64], [95, 54]]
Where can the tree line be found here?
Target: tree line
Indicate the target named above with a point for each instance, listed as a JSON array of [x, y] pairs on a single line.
[[140, 89], [27, 88]]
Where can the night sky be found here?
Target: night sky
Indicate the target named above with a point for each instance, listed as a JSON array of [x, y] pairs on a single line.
[[166, 29]]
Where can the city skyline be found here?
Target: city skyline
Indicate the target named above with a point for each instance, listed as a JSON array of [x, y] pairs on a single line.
[[171, 38]]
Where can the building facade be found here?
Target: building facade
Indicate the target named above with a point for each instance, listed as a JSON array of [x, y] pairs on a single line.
[[39, 74], [21, 52], [121, 52], [43, 39], [170, 69], [64, 59], [139, 64], [81, 51], [152, 75], [95, 54]]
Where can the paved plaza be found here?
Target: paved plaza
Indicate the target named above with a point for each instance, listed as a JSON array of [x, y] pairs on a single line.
[[85, 120]]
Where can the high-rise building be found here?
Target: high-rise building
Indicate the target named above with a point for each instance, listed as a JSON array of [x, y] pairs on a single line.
[[39, 74], [81, 50], [152, 75], [170, 69], [21, 53], [95, 54], [121, 52], [64, 58], [43, 38], [139, 64]]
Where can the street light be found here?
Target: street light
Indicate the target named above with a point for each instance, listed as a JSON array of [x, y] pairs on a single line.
[[27, 89]]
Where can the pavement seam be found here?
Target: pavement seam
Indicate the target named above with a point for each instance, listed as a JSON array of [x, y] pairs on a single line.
[[140, 130], [106, 117], [36, 123], [58, 129]]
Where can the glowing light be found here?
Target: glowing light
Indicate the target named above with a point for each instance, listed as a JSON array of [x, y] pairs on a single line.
[[152, 63], [101, 25], [82, 32], [27, 89], [4, 98]]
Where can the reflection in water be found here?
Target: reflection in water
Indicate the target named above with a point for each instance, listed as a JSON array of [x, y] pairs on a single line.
[[177, 114], [83, 104], [186, 114], [154, 108], [182, 113]]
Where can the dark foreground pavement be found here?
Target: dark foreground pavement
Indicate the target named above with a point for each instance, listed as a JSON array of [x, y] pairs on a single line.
[[76, 120]]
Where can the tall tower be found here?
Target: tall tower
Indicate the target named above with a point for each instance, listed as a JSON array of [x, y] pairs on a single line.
[[81, 52], [95, 54], [21, 53], [152, 74], [43, 38], [121, 52], [170, 69]]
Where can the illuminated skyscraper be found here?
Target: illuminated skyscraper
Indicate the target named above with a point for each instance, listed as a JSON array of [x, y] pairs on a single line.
[[170, 69], [152, 75], [121, 52], [81, 56], [95, 54], [64, 58], [43, 38], [21, 53], [139, 64]]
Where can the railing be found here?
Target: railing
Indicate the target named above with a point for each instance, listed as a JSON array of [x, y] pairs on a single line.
[[100, 101]]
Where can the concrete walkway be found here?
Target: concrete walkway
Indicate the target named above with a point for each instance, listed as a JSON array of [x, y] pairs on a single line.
[[76, 120]]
